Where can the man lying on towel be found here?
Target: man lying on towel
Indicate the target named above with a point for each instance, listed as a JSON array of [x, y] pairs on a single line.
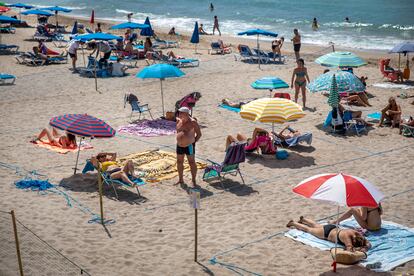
[[113, 169]]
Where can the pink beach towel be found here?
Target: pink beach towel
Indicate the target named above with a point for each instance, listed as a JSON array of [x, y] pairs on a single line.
[[149, 128]]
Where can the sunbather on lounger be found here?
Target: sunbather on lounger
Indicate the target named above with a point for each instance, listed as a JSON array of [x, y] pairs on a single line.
[[66, 141], [367, 218], [391, 112], [112, 168], [234, 104], [260, 140], [351, 239], [38, 54]]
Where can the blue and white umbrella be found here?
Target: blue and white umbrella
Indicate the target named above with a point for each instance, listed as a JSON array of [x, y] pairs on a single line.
[[269, 83], [57, 9], [340, 59], [258, 32], [346, 83]]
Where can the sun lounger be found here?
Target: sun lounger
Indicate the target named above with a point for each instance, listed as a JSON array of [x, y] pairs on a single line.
[[8, 30], [6, 49], [7, 79], [130, 61], [92, 69], [30, 59], [246, 54], [217, 49], [235, 154], [179, 62], [165, 43], [352, 124]]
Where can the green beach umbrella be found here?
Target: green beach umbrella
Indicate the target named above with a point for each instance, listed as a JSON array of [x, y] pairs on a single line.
[[333, 99], [340, 59]]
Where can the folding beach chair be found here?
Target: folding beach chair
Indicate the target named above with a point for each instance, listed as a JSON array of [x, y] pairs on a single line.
[[235, 154], [246, 54], [6, 49], [7, 79], [112, 182], [350, 123], [392, 76], [130, 61], [136, 106]]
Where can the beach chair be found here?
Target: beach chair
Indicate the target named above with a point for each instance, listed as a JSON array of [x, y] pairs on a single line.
[[30, 59], [179, 62], [352, 124], [89, 71], [7, 49], [235, 154], [130, 61], [217, 49], [166, 43], [245, 54], [262, 55], [392, 76], [406, 130], [112, 182], [275, 57], [8, 30], [7, 79], [136, 106], [294, 141]]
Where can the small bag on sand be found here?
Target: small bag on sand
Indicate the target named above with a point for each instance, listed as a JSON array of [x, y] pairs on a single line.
[[347, 257], [170, 116]]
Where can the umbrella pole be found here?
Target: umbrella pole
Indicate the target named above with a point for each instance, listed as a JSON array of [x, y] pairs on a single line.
[[336, 240], [399, 60], [162, 98], [258, 49], [77, 156], [100, 193], [83, 56], [273, 127], [94, 65]]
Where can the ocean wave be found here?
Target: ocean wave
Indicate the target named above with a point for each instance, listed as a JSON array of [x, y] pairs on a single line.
[[346, 24], [123, 11], [66, 7]]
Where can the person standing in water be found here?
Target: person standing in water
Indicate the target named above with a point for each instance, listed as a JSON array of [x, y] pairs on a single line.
[[211, 7], [216, 25], [296, 40], [347, 20], [315, 25], [188, 133]]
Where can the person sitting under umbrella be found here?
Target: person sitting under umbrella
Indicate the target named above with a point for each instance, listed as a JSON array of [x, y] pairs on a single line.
[[355, 115], [292, 133], [261, 139], [389, 69], [350, 238], [391, 112], [113, 168], [66, 141], [367, 218]]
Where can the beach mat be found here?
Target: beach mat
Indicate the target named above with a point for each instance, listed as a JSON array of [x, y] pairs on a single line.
[[149, 128], [157, 165], [233, 109], [47, 145], [390, 85], [392, 246]]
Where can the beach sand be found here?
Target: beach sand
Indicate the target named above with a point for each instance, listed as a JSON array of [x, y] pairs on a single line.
[[157, 237]]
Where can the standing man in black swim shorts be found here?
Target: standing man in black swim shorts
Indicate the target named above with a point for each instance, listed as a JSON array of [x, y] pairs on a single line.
[[188, 133], [296, 43]]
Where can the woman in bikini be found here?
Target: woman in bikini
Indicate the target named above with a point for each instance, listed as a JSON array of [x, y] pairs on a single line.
[[66, 141], [276, 46], [299, 76], [351, 239], [260, 140], [367, 218]]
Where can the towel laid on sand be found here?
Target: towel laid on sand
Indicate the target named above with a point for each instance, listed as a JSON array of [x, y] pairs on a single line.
[[234, 109], [390, 85], [392, 246], [43, 144], [157, 165], [149, 128]]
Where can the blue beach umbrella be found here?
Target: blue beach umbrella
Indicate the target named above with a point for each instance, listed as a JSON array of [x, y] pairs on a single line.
[[37, 12], [403, 48], [129, 25], [97, 36], [195, 38], [258, 32], [57, 9], [20, 6], [341, 59], [75, 28], [346, 83], [7, 19], [161, 72], [269, 83], [147, 31]]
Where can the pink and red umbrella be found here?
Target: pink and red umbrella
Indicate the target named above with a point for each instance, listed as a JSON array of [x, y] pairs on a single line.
[[4, 9], [340, 189]]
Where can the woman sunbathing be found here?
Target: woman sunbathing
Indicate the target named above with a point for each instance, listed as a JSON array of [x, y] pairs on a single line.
[[351, 239], [66, 141], [112, 168], [391, 112], [260, 140], [359, 99], [367, 218], [234, 104], [292, 133]]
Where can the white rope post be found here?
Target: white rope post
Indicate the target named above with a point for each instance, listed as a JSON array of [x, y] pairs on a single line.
[[162, 97]]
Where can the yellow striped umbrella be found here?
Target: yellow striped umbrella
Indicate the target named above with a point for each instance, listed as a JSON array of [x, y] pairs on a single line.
[[271, 110]]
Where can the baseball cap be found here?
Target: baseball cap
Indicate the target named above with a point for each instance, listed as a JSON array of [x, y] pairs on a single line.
[[184, 110]]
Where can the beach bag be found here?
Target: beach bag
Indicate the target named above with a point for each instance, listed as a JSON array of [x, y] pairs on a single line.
[[347, 257], [170, 116], [282, 154]]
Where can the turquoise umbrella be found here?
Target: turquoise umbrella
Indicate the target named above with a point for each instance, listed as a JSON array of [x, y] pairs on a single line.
[[333, 99], [340, 59], [269, 83], [346, 83], [160, 71]]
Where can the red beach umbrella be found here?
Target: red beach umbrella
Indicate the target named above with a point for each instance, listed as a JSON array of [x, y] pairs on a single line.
[[4, 9], [92, 17]]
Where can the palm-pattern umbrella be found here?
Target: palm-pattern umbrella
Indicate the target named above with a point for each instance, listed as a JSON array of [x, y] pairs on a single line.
[[340, 59], [269, 83], [346, 83], [333, 99], [272, 110]]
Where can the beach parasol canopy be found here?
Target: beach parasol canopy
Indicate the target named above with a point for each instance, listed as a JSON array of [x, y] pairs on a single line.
[[405, 47], [7, 19], [129, 25], [340, 189], [195, 37], [4, 9], [57, 9], [269, 83], [37, 12], [161, 72], [97, 36], [346, 83], [83, 125], [258, 32], [20, 6], [147, 31], [333, 99], [271, 110], [341, 59]]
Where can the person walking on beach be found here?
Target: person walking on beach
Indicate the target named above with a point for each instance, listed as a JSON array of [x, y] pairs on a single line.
[[188, 133], [296, 43], [73, 52], [216, 25], [301, 75]]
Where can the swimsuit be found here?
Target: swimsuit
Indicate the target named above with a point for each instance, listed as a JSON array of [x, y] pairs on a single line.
[[300, 75], [327, 228], [296, 47], [188, 150]]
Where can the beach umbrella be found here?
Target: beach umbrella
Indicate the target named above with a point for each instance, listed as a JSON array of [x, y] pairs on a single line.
[[129, 25], [258, 32], [195, 37], [271, 110], [340, 189], [403, 48], [160, 71], [147, 31], [75, 28], [92, 20], [82, 125], [346, 83], [4, 9], [269, 83], [340, 59], [37, 12], [7, 19], [20, 6], [2, 4], [333, 99], [57, 9]]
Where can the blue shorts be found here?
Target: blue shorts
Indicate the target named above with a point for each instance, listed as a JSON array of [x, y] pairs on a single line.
[[188, 150]]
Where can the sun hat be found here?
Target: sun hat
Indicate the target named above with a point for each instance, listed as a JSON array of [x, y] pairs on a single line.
[[184, 110]]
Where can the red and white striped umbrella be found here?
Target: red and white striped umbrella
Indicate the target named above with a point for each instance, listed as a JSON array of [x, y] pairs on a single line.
[[341, 189]]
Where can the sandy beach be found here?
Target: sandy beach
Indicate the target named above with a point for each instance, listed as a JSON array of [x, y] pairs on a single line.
[[243, 225]]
